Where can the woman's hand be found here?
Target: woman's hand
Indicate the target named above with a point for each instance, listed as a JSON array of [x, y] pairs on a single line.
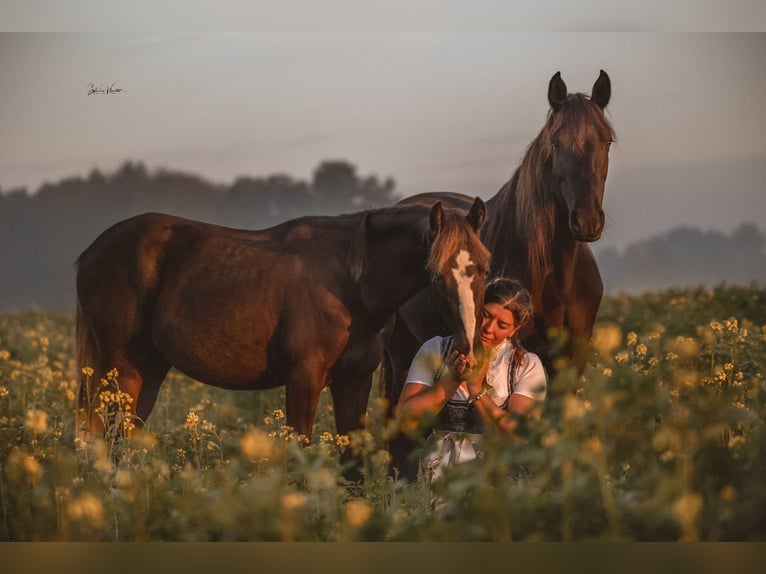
[[473, 376], [457, 363]]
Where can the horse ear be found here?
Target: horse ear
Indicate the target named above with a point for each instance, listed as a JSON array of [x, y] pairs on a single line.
[[602, 90], [476, 216], [436, 218], [557, 91]]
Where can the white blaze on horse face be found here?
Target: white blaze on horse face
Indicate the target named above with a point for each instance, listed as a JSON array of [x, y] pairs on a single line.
[[465, 297]]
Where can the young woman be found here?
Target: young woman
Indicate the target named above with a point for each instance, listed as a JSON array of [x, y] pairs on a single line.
[[509, 383]]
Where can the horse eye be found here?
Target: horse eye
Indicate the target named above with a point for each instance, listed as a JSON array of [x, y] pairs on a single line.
[[555, 144]]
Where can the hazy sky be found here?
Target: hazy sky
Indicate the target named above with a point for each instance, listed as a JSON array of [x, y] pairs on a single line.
[[435, 111]]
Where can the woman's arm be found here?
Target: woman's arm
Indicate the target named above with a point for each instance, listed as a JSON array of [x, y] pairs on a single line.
[[418, 400], [507, 421], [531, 382]]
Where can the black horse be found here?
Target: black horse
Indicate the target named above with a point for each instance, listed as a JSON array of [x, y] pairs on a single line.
[[301, 304], [537, 229]]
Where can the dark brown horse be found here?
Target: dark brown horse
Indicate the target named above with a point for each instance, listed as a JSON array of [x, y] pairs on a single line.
[[301, 304], [537, 229]]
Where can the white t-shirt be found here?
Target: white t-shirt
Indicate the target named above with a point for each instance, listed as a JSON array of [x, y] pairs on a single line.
[[528, 379]]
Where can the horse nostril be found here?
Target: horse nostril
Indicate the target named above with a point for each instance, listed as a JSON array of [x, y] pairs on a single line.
[[574, 224]]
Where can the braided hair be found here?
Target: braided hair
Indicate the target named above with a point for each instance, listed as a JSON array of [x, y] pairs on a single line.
[[511, 295]]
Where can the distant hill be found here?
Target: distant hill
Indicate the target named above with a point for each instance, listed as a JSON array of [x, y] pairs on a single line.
[[686, 257], [42, 234]]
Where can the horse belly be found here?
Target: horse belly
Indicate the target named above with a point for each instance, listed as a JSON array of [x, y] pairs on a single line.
[[223, 345], [229, 364]]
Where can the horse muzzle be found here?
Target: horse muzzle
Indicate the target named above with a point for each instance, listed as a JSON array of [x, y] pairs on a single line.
[[587, 228]]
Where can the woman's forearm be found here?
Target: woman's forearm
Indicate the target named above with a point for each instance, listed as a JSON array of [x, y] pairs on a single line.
[[505, 421], [418, 401]]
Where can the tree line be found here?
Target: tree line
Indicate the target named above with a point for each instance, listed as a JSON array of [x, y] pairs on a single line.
[[42, 234]]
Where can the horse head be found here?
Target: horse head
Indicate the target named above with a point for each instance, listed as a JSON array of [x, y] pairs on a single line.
[[578, 137], [459, 264]]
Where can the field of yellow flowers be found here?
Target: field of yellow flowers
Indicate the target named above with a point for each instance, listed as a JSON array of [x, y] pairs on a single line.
[[662, 439]]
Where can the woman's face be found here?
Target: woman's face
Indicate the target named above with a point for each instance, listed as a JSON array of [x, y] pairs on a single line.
[[497, 324]]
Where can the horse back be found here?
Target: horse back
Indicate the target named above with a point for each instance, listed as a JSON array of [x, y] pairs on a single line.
[[214, 301], [449, 199]]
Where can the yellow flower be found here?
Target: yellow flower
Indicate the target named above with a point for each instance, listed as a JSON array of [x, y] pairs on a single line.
[[256, 445], [208, 426], [358, 512], [728, 493], [632, 339], [686, 509], [321, 479], [686, 347], [293, 500], [21, 467], [550, 439], [574, 408], [87, 508], [36, 421], [606, 339]]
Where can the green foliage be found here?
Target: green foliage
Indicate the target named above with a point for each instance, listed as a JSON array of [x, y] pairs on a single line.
[[660, 439]]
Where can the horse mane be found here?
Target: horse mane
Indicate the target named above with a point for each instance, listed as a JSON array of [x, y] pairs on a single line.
[[529, 195], [452, 234], [356, 256], [448, 241]]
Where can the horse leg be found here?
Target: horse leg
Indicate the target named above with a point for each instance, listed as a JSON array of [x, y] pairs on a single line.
[[153, 372], [582, 308], [400, 350], [303, 384], [120, 384], [349, 397], [88, 423]]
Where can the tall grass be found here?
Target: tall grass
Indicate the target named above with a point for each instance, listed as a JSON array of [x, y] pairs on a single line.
[[662, 438]]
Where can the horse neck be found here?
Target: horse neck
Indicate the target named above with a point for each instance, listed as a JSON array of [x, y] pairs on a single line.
[[526, 229], [394, 269]]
